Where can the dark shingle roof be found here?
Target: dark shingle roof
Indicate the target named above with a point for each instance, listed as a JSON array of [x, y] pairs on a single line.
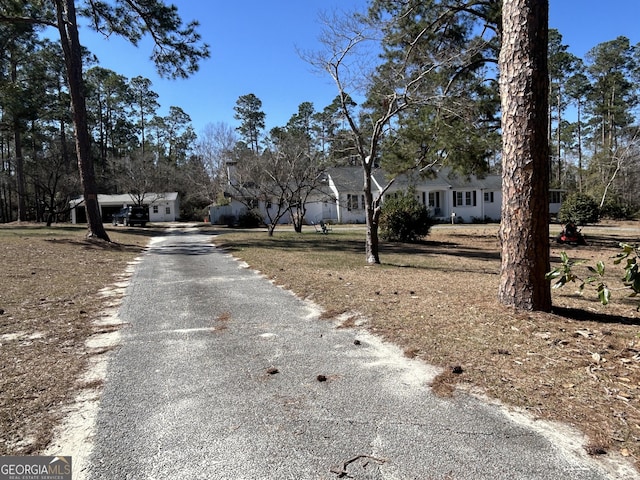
[[349, 179]]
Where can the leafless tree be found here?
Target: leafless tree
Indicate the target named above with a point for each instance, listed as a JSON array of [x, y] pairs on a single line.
[[350, 56], [623, 160], [214, 149]]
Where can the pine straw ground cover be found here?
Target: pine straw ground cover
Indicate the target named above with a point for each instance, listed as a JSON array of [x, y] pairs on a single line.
[[579, 365], [50, 279]]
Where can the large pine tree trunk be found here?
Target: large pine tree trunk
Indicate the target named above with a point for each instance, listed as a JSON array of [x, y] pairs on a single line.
[[68, 29], [524, 86], [19, 166], [19, 163]]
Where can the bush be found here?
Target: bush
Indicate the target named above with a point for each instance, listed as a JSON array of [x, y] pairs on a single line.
[[404, 219], [579, 209], [228, 220], [250, 219], [616, 210]]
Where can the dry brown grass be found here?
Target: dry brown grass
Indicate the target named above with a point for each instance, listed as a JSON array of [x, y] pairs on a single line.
[[49, 297], [437, 300]]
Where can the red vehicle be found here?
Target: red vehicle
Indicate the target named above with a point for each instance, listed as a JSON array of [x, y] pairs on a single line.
[[570, 234]]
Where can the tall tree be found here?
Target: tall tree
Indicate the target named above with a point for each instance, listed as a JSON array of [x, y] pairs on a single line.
[[144, 104], [427, 47], [524, 89], [108, 101], [577, 89], [176, 136], [68, 29], [51, 166], [249, 112], [613, 97], [177, 52], [562, 66], [19, 96]]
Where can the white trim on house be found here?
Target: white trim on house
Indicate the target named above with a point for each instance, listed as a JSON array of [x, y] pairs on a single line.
[[163, 207]]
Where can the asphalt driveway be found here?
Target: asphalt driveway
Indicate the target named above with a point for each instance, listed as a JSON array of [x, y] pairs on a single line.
[[222, 375]]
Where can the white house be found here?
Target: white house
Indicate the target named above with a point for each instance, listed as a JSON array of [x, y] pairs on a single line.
[[448, 195], [444, 192], [163, 207]]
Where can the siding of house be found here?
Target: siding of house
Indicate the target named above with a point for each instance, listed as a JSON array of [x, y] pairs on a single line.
[[465, 199]]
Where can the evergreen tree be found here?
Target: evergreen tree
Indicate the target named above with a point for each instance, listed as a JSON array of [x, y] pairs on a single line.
[[562, 67], [109, 100], [177, 53], [612, 98], [248, 112], [524, 89]]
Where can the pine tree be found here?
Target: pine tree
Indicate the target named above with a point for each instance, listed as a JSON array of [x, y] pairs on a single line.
[[524, 88]]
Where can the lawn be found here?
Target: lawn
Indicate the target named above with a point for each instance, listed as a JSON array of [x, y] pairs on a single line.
[[49, 299], [437, 300]]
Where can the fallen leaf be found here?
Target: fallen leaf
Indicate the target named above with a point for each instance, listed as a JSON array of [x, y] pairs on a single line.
[[584, 333]]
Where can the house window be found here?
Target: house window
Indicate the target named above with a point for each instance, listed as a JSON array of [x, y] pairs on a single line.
[[155, 209], [488, 197], [167, 210], [434, 199], [555, 197], [464, 199], [352, 202]]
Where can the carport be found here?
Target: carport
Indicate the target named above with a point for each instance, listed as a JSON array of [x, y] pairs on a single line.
[[163, 207]]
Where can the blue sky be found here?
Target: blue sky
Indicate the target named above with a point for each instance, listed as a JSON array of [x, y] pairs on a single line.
[[253, 50]]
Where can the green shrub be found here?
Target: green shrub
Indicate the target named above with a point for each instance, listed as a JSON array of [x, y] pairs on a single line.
[[616, 210], [579, 209], [228, 220], [250, 219], [404, 219]]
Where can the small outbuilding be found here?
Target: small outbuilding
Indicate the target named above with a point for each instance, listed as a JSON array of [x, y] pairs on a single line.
[[163, 207]]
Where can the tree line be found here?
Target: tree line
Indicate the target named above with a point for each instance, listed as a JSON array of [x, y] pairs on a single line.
[[69, 127], [593, 128]]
